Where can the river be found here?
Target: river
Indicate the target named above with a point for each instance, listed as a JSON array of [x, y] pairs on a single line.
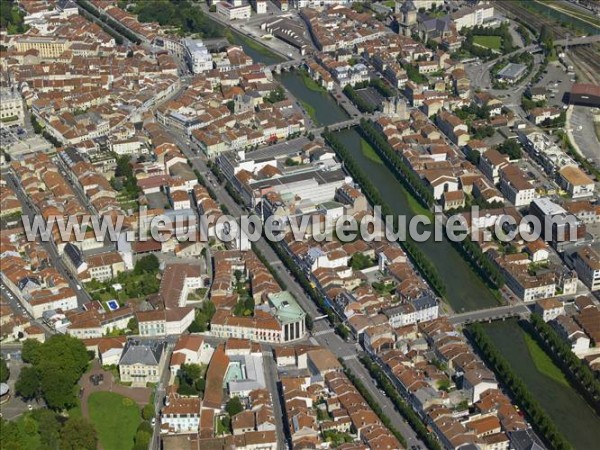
[[316, 101], [465, 290], [575, 419]]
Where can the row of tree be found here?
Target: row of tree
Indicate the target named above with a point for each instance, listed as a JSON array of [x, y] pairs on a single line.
[[398, 166], [419, 259], [539, 419], [376, 407], [363, 105], [382, 87], [401, 405], [112, 23], [576, 371], [487, 268]]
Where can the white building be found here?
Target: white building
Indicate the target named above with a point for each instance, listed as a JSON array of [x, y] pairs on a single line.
[[477, 381], [260, 6], [576, 182], [516, 188], [11, 108], [587, 264], [232, 12], [190, 349], [197, 56], [421, 309], [471, 17], [165, 322], [549, 308], [142, 363], [180, 415]]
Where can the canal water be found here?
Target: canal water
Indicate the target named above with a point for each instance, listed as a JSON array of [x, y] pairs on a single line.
[[465, 290], [575, 419], [259, 53], [317, 102]]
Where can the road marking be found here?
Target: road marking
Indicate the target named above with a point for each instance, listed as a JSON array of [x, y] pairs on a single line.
[[320, 333]]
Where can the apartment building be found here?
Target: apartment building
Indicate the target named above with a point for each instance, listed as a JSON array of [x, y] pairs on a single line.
[[232, 12], [549, 308], [422, 309], [48, 47], [180, 415], [197, 56], [586, 262], [515, 187], [576, 182], [491, 162], [165, 322], [104, 266]]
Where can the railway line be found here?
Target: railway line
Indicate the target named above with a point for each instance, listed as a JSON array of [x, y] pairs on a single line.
[[585, 58]]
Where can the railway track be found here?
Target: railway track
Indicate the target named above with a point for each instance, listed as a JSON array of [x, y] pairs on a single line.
[[584, 58]]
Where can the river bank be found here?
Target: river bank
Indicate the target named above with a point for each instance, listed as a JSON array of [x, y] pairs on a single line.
[[571, 414]]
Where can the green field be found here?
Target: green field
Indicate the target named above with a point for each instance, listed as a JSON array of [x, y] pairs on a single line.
[[116, 419], [491, 42], [542, 361]]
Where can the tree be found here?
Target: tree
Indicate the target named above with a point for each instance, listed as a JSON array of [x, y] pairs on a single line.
[[78, 434], [234, 406], [4, 372], [48, 427], [31, 351], [147, 264], [148, 411], [28, 384], [57, 364], [132, 325], [276, 95], [142, 440], [57, 388], [511, 148]]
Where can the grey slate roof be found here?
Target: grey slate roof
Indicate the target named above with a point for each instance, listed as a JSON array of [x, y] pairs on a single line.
[[147, 353]]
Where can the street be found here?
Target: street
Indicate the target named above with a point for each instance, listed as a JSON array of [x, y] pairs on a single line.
[[322, 334], [30, 211]]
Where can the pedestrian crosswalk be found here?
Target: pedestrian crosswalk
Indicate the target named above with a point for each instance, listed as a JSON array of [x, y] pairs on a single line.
[[322, 332]]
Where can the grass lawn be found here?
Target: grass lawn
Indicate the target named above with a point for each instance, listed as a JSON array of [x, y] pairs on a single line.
[[116, 419], [491, 42], [263, 50], [310, 83], [542, 361], [416, 206], [310, 109], [369, 152]]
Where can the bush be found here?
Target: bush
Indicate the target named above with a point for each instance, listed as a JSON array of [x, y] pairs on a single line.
[[148, 411]]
